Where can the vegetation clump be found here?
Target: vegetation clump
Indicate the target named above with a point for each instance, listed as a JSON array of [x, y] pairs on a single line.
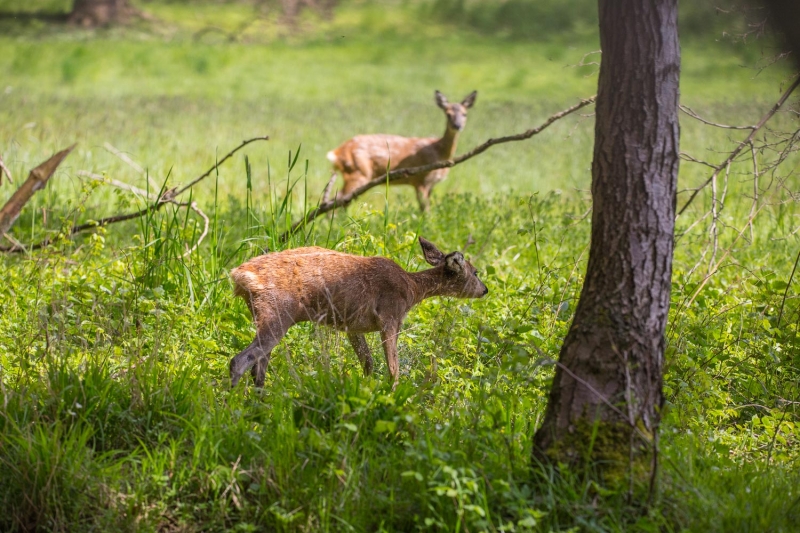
[[115, 405]]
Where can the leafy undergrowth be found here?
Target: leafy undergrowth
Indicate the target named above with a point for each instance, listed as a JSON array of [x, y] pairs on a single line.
[[117, 410]]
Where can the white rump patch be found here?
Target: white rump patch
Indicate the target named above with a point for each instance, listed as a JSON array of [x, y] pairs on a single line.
[[331, 156], [248, 280]]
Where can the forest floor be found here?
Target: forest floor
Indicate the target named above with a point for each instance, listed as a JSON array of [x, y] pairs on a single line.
[[114, 347]]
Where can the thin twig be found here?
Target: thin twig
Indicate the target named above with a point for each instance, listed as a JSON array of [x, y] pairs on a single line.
[[125, 158], [400, 173], [4, 170], [786, 290], [721, 259], [118, 184], [167, 197], [130, 162], [327, 190], [754, 205], [742, 144], [691, 113], [193, 207], [218, 163]]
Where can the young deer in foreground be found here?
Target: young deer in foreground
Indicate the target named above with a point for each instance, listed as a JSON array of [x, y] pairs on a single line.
[[365, 157], [348, 292]]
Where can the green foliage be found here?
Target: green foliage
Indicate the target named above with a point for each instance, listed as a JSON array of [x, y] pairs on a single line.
[[116, 413]]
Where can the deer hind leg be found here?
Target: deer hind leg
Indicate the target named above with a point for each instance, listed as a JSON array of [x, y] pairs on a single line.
[[389, 335], [362, 350], [256, 356]]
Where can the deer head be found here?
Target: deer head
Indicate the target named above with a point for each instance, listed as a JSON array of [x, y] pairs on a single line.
[[457, 112], [458, 277]]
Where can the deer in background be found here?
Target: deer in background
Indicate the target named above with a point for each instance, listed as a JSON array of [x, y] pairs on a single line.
[[365, 157], [350, 293]]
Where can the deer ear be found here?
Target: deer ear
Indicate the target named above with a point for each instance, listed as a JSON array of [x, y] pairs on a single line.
[[432, 254], [454, 262], [441, 101], [469, 101]]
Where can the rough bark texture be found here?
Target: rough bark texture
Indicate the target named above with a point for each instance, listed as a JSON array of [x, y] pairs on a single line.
[[36, 181], [613, 353], [91, 13]]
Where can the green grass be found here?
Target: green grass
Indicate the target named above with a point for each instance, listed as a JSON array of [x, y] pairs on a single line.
[[116, 410]]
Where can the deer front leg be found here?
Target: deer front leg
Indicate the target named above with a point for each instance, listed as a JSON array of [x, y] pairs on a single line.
[[259, 371], [389, 339], [352, 181], [423, 197], [362, 350], [256, 356]]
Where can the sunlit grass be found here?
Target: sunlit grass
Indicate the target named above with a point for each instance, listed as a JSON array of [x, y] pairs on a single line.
[[116, 410]]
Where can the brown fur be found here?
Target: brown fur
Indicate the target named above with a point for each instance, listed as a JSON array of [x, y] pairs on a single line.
[[365, 157], [347, 292]]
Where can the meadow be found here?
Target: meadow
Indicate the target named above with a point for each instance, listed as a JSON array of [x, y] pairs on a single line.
[[114, 347]]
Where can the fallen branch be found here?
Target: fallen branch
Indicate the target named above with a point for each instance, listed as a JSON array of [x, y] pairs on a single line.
[[326, 205], [741, 145], [164, 198], [37, 179]]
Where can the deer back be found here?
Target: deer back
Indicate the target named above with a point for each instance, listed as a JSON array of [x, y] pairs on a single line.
[[345, 291]]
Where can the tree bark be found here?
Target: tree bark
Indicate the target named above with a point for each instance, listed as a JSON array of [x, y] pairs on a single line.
[[36, 181], [92, 13], [606, 395]]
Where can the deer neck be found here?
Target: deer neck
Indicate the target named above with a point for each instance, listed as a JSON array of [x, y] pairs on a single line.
[[427, 283], [448, 142]]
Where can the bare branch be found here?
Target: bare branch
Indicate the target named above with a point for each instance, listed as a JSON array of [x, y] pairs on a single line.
[[167, 197], [742, 144], [397, 174], [691, 113], [124, 157], [118, 184], [130, 162], [37, 179], [193, 207], [4, 170], [326, 191], [218, 163]]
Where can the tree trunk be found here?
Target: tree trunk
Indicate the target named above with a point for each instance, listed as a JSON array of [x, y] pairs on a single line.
[[92, 13], [606, 396]]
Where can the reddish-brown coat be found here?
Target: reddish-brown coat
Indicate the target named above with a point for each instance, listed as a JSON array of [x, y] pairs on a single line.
[[347, 292], [365, 157]]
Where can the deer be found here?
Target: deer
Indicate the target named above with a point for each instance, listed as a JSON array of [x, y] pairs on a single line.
[[349, 293], [365, 157]]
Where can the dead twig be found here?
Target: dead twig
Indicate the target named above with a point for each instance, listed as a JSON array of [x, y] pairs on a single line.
[[713, 270], [743, 144], [130, 162], [37, 179], [691, 113], [124, 157], [397, 174], [327, 190], [4, 170], [193, 207], [118, 184], [167, 197], [218, 163]]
